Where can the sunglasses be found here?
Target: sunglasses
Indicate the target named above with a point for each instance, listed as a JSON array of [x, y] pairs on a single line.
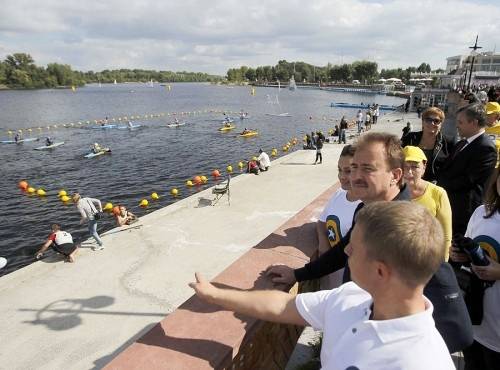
[[435, 121]]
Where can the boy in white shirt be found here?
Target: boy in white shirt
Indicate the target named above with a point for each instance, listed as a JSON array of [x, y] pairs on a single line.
[[381, 320]]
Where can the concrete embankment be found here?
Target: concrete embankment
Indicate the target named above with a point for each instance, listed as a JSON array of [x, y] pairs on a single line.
[[58, 315]]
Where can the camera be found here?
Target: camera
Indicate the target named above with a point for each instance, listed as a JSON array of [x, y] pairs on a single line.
[[472, 249]]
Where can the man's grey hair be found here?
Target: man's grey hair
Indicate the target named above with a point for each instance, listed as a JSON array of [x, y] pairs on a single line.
[[474, 111]]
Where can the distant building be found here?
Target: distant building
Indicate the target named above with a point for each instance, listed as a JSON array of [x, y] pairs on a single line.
[[486, 69], [484, 62]]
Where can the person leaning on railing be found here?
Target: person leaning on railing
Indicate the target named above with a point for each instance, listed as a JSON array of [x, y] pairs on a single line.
[[436, 146]]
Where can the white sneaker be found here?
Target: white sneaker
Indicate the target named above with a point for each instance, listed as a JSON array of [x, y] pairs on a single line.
[[98, 248]]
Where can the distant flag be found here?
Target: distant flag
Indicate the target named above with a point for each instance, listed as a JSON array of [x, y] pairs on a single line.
[[73, 88]]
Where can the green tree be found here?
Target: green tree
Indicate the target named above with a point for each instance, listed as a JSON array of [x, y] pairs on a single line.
[[364, 71]]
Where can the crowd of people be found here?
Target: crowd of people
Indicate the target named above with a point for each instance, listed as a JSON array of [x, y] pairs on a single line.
[[414, 235]]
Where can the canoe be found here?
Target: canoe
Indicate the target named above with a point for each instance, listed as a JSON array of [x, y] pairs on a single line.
[[20, 141], [103, 127], [48, 147], [249, 134], [133, 127], [92, 155], [279, 115], [227, 128], [173, 125]]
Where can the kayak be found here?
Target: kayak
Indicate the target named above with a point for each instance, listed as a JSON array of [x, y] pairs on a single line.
[[92, 154], [47, 147], [103, 127], [20, 141], [279, 115], [226, 128], [249, 134], [176, 124], [133, 127]]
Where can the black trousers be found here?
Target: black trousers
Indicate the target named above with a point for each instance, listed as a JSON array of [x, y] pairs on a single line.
[[318, 157], [478, 357]]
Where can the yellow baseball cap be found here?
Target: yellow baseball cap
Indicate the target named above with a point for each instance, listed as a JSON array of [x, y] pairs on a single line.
[[492, 107], [414, 154]]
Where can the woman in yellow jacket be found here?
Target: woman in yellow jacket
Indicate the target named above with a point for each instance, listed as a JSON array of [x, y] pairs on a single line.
[[431, 196]]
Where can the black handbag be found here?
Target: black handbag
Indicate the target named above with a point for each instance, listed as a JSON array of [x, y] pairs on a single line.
[[97, 215]]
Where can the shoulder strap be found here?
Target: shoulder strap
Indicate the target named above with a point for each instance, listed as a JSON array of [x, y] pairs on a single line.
[[92, 207]]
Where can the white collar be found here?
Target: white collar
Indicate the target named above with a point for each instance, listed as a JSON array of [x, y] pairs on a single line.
[[403, 327], [474, 137]]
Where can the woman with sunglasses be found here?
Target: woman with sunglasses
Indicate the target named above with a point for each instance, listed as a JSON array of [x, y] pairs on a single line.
[[433, 143]]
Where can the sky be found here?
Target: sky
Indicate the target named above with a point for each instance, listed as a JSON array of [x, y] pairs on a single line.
[[213, 36]]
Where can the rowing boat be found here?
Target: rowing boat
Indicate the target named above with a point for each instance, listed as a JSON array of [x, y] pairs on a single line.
[[52, 146], [133, 127], [226, 128], [249, 134], [172, 125], [20, 141], [279, 115], [104, 127], [92, 154]]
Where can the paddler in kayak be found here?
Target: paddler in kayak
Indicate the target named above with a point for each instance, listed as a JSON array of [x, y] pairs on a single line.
[[17, 138], [96, 148], [48, 141], [245, 131]]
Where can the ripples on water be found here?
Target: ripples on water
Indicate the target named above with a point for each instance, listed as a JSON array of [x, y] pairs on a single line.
[[153, 158]]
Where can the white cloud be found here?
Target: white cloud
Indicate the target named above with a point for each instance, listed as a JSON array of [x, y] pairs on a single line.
[[214, 36]]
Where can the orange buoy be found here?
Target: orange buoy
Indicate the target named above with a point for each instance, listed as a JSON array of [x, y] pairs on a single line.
[[215, 173], [23, 185], [197, 180], [116, 210]]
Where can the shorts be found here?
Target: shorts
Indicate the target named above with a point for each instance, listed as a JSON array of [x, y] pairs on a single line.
[[65, 249]]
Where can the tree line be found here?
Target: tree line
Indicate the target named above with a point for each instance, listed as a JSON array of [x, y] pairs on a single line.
[[363, 71], [20, 71]]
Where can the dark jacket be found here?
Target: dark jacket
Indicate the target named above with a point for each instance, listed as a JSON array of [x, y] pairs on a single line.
[[464, 176], [441, 152], [450, 313]]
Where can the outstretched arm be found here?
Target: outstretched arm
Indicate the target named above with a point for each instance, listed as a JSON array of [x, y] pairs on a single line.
[[44, 247], [269, 305]]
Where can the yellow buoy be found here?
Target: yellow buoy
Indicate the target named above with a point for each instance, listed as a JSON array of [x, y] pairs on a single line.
[[31, 190], [65, 198], [229, 168], [240, 165], [155, 196], [254, 158], [174, 192], [62, 193], [108, 207], [144, 203], [203, 179], [189, 183], [41, 192]]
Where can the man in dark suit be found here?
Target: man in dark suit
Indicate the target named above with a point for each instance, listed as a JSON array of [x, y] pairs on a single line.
[[469, 166]]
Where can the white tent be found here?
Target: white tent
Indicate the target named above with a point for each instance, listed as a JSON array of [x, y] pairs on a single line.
[[382, 79], [394, 79]]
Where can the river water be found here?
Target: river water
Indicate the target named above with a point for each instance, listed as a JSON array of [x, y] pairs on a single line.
[[154, 158]]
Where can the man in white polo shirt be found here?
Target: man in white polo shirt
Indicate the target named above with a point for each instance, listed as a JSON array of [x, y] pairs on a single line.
[[381, 320]]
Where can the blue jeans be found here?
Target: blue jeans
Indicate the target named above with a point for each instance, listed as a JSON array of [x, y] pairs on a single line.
[[93, 231], [342, 136]]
